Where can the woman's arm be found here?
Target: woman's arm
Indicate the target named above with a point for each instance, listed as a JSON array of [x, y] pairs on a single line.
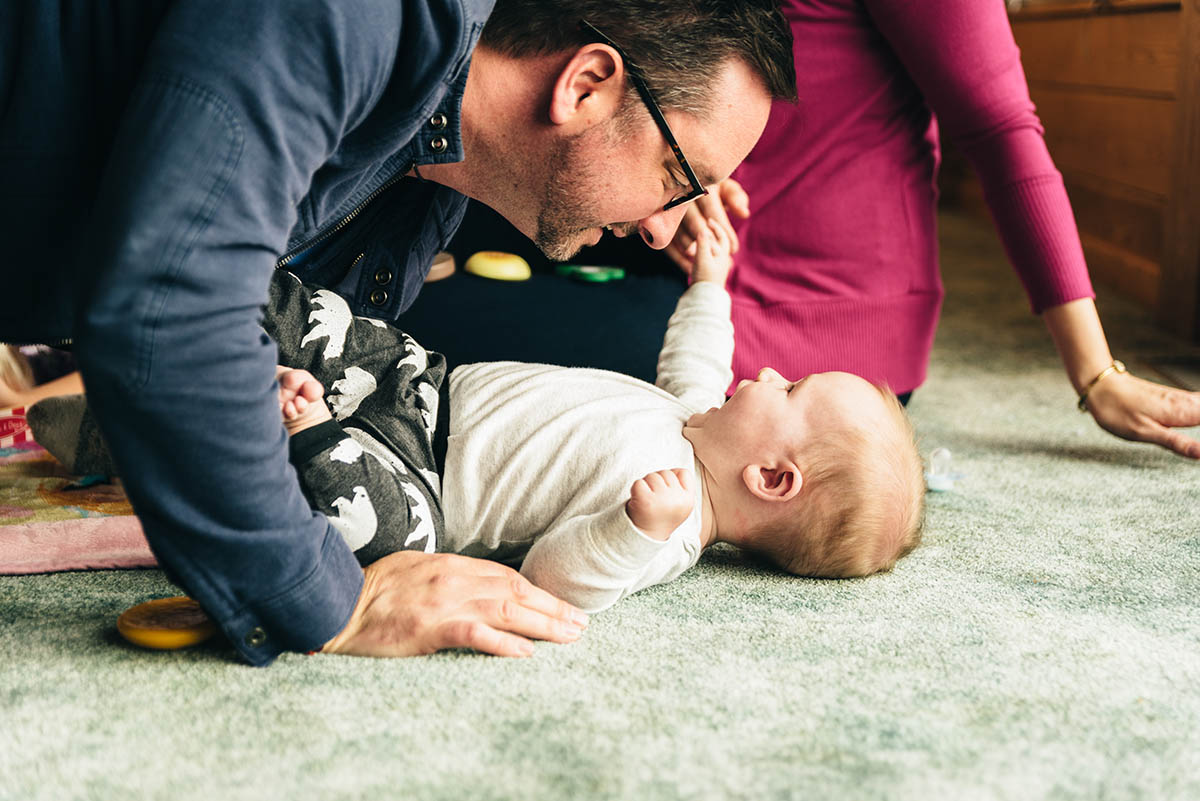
[[963, 57]]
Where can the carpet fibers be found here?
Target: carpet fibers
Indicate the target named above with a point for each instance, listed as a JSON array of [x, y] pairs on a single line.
[[1043, 643]]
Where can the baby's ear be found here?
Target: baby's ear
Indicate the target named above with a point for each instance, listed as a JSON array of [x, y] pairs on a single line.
[[778, 482]]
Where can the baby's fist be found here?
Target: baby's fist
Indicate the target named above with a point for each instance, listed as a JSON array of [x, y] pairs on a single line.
[[660, 502]]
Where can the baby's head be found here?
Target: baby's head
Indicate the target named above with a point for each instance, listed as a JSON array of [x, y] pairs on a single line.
[[821, 475]]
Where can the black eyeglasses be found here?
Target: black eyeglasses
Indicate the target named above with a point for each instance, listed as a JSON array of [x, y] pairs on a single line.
[[639, 83]]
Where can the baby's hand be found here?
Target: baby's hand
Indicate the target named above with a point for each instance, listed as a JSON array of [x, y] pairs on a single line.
[[301, 399], [660, 502], [714, 254]]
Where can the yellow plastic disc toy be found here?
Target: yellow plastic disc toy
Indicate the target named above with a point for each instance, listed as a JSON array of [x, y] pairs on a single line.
[[166, 624], [498, 265]]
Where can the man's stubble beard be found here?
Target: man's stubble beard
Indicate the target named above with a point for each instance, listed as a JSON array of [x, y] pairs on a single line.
[[563, 216], [561, 210]]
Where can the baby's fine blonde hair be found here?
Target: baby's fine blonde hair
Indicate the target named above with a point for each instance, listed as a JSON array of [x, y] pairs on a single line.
[[861, 505]]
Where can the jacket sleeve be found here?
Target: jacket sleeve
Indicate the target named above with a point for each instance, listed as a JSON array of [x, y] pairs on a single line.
[[962, 56], [237, 106], [695, 363]]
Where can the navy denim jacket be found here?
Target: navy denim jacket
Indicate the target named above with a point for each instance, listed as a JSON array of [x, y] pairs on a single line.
[[157, 161]]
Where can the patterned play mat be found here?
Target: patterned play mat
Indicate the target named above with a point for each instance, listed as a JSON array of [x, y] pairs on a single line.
[[51, 520]]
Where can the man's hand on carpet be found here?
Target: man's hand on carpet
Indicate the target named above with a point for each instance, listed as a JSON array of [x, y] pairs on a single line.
[[1143, 411], [416, 603]]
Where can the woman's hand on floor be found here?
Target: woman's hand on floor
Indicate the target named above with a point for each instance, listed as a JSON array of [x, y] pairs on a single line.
[[1142, 411], [417, 603]]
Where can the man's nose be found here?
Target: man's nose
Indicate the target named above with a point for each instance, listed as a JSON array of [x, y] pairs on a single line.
[[659, 228]]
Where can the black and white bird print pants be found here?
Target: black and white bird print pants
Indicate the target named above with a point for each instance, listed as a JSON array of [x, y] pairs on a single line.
[[376, 478]]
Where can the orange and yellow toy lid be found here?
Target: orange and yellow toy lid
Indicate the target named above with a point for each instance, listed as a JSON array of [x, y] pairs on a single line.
[[166, 624]]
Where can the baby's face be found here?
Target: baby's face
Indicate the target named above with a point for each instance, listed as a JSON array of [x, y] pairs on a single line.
[[771, 411]]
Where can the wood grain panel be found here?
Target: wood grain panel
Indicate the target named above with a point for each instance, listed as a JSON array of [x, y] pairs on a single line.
[[1111, 137], [1180, 306], [1133, 276], [1128, 52], [1039, 10], [1137, 53]]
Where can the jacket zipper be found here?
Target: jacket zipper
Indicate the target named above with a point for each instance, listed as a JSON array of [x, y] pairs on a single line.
[[321, 237]]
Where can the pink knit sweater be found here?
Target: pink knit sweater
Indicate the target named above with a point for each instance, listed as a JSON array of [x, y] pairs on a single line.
[[839, 265]]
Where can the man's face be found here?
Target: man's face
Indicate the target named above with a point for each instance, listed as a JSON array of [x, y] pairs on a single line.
[[622, 173]]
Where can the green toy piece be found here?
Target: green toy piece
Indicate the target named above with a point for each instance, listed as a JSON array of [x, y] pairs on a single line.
[[590, 272]]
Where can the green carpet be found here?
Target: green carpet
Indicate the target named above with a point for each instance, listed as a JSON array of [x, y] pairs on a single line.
[[1044, 642]]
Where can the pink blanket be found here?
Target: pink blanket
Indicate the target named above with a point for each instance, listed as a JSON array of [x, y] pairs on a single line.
[[52, 521], [90, 543]]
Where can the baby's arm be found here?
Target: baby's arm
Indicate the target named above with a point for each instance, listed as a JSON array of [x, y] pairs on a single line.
[[695, 363], [714, 255], [596, 560]]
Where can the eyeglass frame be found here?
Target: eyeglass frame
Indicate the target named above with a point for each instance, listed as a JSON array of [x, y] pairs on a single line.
[[639, 83]]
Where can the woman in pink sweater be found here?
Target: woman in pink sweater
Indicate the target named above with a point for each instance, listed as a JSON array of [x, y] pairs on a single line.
[[838, 265]]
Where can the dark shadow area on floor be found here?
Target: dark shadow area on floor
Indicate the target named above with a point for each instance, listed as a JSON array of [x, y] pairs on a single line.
[[618, 325]]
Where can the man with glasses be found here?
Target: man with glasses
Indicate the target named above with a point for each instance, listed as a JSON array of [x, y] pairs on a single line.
[[158, 160]]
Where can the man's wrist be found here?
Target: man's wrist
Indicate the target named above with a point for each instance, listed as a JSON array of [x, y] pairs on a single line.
[[308, 613]]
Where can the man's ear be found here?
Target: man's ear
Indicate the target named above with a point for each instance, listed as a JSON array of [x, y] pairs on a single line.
[[779, 482], [589, 88]]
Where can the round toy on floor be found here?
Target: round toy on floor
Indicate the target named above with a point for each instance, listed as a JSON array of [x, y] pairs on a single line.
[[592, 273], [498, 266], [166, 624], [443, 267]]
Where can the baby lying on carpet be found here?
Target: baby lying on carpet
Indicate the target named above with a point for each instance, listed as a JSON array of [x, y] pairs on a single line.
[[598, 484], [595, 483]]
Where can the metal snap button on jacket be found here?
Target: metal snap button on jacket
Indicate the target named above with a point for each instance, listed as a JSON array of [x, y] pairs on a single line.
[[439, 143], [256, 637], [378, 297], [383, 276], [438, 120]]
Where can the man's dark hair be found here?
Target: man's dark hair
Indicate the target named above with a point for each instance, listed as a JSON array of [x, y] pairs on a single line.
[[678, 45]]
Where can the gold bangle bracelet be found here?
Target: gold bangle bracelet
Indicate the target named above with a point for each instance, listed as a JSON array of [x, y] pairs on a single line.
[[1117, 366]]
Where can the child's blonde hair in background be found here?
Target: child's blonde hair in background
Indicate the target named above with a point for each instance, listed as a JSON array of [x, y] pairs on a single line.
[[861, 505], [15, 372]]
